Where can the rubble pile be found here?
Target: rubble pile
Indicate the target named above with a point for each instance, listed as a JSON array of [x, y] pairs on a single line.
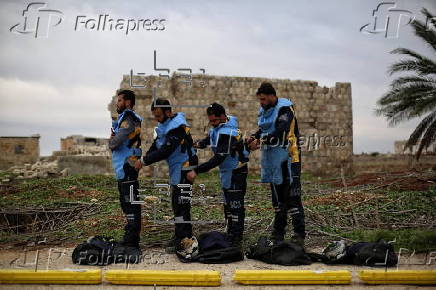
[[89, 150], [40, 169]]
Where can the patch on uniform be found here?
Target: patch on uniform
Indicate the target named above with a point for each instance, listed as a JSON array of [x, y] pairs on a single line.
[[124, 124], [284, 118]]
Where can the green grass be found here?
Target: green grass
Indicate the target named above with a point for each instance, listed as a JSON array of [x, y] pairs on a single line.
[[108, 218], [54, 191]]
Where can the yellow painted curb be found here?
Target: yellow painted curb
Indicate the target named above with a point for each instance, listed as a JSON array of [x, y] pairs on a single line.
[[416, 277], [151, 277], [291, 277], [73, 276]]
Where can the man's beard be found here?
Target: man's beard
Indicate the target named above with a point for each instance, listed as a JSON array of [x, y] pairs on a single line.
[[120, 110], [266, 106], [165, 118]]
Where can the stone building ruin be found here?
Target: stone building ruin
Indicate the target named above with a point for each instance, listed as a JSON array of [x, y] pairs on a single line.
[[324, 114], [18, 150]]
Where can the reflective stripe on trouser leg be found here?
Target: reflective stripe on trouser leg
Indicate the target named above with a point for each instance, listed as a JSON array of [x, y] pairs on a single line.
[[236, 213], [234, 203], [297, 214], [227, 218], [132, 211], [280, 215], [181, 204], [296, 181]]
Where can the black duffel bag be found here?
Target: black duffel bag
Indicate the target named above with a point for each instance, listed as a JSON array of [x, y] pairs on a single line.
[[101, 251], [285, 253]]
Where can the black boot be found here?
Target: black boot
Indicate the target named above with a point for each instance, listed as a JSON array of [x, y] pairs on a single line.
[[132, 211], [237, 228], [299, 240], [279, 227], [297, 214], [228, 219]]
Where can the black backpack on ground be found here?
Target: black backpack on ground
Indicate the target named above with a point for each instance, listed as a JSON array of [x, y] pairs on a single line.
[[379, 253], [371, 254], [285, 253], [214, 248], [101, 251]]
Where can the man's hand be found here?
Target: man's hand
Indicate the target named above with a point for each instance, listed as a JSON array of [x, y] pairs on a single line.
[[138, 164], [191, 175], [248, 140], [253, 144]]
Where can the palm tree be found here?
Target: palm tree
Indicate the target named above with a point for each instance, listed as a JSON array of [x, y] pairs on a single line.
[[414, 95]]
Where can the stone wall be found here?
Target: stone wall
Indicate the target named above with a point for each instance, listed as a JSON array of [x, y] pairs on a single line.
[[324, 114], [79, 155], [392, 163], [80, 164], [84, 155], [400, 145], [80, 145], [17, 151]]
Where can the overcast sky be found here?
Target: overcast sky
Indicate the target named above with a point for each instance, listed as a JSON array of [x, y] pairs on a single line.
[[61, 84]]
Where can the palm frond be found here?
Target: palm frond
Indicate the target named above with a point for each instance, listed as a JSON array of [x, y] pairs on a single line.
[[423, 66], [407, 102], [428, 138], [414, 95], [425, 32], [420, 129], [417, 80]]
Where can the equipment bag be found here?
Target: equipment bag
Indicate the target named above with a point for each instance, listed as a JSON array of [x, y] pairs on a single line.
[[286, 253], [371, 254], [214, 248], [379, 253], [101, 251]]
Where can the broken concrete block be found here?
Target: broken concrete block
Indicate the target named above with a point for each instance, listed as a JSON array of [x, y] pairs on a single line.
[[42, 174], [29, 174], [65, 172]]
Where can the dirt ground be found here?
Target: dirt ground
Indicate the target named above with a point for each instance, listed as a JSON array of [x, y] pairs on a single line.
[[157, 259], [400, 180]]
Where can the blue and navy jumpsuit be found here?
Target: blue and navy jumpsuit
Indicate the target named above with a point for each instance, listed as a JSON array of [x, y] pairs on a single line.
[[281, 165], [125, 146], [231, 156], [174, 144]]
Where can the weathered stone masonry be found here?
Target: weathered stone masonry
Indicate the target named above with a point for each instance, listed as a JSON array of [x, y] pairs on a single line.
[[324, 114], [18, 150]]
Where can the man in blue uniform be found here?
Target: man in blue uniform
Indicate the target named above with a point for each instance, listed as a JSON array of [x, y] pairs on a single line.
[[229, 154], [174, 144], [125, 142], [280, 164]]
